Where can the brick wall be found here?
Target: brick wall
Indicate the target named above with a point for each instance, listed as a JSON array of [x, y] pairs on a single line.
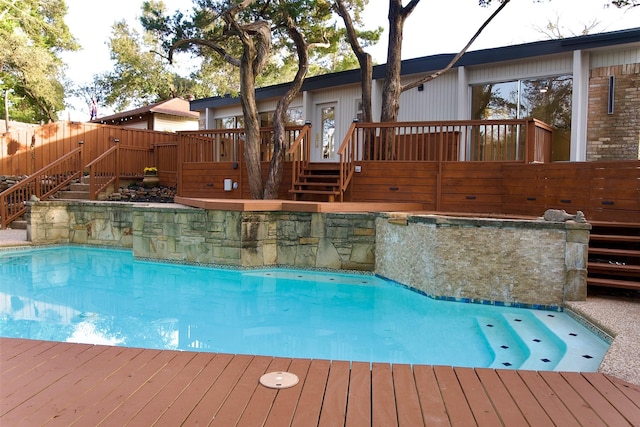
[[614, 136]]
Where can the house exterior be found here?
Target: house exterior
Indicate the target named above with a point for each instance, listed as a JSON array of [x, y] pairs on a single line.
[[166, 116], [587, 88]]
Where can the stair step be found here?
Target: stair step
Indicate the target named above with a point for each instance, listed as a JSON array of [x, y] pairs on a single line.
[[19, 224], [73, 195], [615, 252], [614, 238], [583, 351], [613, 283], [324, 166], [508, 349], [320, 176], [77, 186], [318, 184], [613, 268], [545, 348], [332, 193]]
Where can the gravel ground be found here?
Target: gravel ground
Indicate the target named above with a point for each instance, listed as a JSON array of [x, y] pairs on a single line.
[[618, 314]]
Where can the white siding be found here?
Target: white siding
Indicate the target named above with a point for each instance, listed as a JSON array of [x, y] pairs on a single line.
[[437, 101], [345, 98], [167, 123], [604, 58], [537, 67]]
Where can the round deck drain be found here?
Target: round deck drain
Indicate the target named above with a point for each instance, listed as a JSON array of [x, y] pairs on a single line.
[[279, 380]]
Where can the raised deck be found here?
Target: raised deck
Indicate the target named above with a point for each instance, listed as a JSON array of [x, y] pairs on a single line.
[[61, 384]]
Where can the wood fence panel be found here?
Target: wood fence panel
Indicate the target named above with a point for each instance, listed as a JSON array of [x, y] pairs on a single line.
[[25, 151]]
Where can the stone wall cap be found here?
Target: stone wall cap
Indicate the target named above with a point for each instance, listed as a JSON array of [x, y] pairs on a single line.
[[454, 221]]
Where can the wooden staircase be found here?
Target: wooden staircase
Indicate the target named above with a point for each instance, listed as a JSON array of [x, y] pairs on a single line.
[[614, 255], [318, 182]]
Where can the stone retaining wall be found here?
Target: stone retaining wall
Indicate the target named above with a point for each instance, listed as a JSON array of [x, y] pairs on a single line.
[[532, 263], [183, 234]]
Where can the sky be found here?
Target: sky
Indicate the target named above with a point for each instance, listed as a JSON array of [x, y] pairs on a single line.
[[435, 26]]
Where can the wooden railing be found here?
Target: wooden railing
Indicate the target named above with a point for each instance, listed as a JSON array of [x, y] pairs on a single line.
[[300, 152], [219, 145], [41, 184], [348, 152], [461, 140], [524, 141], [103, 171]]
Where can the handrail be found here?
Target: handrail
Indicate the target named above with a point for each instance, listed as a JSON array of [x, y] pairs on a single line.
[[300, 152], [348, 154], [41, 184], [103, 171]]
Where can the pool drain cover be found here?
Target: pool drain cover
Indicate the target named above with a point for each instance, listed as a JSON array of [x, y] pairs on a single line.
[[279, 380]]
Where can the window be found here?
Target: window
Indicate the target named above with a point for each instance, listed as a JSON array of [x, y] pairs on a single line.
[[547, 99]]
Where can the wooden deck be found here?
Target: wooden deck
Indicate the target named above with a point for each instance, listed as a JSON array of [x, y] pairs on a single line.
[[51, 383]]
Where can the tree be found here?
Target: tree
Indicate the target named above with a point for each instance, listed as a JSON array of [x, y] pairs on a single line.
[[32, 34], [357, 42], [393, 87], [250, 34]]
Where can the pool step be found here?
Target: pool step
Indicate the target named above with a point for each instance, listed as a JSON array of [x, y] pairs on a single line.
[[508, 348], [545, 348], [541, 340], [584, 350], [521, 341]]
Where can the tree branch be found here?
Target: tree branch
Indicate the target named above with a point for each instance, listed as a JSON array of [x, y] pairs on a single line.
[[204, 42], [455, 59]]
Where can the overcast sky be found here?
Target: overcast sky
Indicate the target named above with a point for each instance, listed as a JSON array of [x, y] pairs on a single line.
[[436, 26]]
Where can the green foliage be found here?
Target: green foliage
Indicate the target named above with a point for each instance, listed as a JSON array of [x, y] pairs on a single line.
[[32, 35]]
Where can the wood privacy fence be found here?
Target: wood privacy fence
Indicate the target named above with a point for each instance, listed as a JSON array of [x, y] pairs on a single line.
[[25, 151]]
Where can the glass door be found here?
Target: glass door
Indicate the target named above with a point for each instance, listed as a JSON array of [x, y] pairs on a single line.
[[324, 145]]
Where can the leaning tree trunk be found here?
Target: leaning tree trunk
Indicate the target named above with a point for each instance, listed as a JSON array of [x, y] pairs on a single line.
[[276, 167]]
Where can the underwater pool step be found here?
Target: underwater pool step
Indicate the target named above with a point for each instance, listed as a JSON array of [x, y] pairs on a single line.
[[545, 348], [584, 351], [521, 341], [509, 351]]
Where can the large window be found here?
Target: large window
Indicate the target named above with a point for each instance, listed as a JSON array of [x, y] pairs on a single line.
[[547, 99]]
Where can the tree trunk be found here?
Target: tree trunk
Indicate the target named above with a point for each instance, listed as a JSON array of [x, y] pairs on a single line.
[[251, 122], [276, 166]]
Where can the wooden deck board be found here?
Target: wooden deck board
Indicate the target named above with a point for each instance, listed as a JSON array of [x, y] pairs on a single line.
[[359, 409], [63, 384]]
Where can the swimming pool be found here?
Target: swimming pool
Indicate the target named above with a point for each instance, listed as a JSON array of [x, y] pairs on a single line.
[[104, 296]]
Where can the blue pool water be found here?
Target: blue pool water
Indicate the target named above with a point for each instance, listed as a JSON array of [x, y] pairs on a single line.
[[104, 296]]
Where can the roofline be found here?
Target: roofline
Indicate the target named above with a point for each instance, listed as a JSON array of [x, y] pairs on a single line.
[[438, 62]]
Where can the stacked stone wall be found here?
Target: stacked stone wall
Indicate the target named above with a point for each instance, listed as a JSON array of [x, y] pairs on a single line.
[[533, 263], [614, 136]]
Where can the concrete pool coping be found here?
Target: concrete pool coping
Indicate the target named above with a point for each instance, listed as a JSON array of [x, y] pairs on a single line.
[[617, 315]]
